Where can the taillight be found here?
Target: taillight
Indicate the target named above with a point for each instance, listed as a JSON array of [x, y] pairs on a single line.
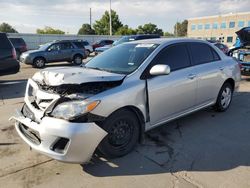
[[13, 53]]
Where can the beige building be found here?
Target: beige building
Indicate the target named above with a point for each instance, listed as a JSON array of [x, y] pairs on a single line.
[[219, 27]]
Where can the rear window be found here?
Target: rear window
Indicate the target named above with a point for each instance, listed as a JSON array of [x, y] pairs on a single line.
[[202, 53], [79, 44], [19, 41], [4, 41]]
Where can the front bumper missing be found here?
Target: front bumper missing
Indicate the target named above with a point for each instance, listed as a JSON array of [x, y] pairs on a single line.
[[59, 139]]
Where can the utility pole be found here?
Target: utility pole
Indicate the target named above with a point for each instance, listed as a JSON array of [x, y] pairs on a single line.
[[110, 19], [90, 17]]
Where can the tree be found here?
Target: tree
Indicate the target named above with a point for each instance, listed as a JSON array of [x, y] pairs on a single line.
[[86, 30], [180, 29], [125, 30], [6, 28], [167, 34], [102, 26], [149, 29], [49, 30]]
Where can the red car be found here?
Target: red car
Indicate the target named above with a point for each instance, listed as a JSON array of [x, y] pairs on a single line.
[[102, 43]]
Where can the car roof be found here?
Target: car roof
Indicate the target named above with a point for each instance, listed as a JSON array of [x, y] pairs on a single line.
[[167, 40]]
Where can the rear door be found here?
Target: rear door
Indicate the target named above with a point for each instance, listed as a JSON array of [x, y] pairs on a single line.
[[173, 94], [208, 68], [67, 50]]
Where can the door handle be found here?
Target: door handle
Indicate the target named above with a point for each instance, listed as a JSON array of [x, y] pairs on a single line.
[[191, 76]]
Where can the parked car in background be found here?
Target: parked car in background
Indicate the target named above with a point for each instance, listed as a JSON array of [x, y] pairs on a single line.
[[20, 46], [241, 51], [224, 48], [118, 95], [8, 61], [126, 39], [54, 52], [102, 43], [88, 47]]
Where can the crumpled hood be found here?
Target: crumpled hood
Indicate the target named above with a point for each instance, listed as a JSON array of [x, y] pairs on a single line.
[[74, 75]]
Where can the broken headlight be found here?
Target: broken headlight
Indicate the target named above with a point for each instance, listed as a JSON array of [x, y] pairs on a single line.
[[72, 109]]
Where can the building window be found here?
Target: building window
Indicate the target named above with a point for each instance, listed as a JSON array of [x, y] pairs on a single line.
[[223, 25], [229, 39], [241, 24], [215, 25], [193, 27], [231, 24], [200, 27], [207, 26]]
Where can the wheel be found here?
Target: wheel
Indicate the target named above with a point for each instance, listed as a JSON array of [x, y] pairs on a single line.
[[77, 60], [87, 53], [123, 134], [39, 62], [224, 98]]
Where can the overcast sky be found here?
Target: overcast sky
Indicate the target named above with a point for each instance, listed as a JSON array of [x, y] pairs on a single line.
[[68, 15]]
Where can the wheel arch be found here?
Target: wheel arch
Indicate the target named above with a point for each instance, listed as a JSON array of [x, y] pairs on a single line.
[[231, 82], [139, 116], [40, 56]]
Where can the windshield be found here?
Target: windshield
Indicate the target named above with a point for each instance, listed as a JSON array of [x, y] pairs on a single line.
[[44, 46], [122, 59], [122, 40]]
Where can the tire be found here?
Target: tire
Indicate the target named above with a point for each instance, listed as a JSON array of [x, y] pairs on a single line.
[[123, 134], [224, 98], [39, 62], [87, 53], [77, 60]]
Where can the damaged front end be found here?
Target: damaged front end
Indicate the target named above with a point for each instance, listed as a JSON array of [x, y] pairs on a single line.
[[56, 119]]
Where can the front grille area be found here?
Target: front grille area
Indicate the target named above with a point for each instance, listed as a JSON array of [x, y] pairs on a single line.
[[32, 135], [246, 64], [39, 99]]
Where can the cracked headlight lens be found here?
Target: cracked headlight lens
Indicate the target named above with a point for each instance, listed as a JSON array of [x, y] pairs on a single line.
[[72, 109]]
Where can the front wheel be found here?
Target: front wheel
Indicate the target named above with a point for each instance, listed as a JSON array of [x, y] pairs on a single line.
[[39, 62], [77, 60], [123, 134], [224, 98]]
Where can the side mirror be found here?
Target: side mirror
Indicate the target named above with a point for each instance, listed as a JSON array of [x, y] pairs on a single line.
[[160, 70]]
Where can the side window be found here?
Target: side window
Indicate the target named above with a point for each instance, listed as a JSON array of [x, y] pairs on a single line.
[[86, 43], [54, 47], [216, 57], [171, 57], [66, 46], [201, 53]]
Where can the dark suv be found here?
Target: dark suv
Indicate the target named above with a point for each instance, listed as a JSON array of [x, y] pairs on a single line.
[[54, 52], [8, 62], [19, 44]]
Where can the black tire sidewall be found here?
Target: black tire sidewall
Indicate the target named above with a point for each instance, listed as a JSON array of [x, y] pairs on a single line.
[[219, 106], [74, 59], [35, 64], [111, 151]]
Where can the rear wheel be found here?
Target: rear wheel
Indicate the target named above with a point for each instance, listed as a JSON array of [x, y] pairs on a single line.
[[87, 53], [123, 134], [39, 62], [77, 60], [224, 98]]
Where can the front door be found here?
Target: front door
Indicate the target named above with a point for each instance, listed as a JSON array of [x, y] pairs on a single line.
[[173, 94]]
